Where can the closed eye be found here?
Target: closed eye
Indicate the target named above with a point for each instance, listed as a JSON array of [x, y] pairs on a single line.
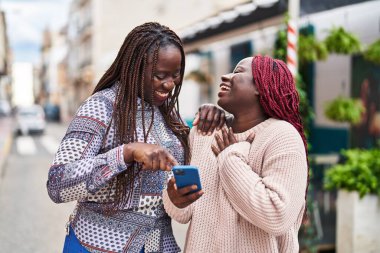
[[237, 70], [160, 77]]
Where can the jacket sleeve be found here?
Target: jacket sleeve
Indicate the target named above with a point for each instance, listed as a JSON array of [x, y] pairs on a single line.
[[271, 201], [78, 169], [181, 215]]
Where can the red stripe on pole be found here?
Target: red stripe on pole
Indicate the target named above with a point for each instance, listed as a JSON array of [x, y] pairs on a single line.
[[290, 61], [291, 30], [292, 46]]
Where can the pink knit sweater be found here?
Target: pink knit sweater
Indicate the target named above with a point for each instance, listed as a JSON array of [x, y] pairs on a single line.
[[254, 193]]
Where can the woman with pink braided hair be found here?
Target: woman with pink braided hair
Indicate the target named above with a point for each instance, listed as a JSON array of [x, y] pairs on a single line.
[[254, 171]]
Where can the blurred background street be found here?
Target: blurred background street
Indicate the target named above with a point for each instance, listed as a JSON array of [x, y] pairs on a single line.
[[30, 221], [52, 54]]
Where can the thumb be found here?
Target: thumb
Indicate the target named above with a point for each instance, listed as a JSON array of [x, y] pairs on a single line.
[[171, 184], [251, 137]]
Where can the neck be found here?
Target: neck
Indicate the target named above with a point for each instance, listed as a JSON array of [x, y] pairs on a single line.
[[240, 123]]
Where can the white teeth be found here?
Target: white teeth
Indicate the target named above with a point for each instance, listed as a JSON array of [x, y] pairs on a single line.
[[225, 88], [161, 94]]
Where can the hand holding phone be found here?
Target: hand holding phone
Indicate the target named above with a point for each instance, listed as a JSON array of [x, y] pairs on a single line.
[[187, 175], [188, 186]]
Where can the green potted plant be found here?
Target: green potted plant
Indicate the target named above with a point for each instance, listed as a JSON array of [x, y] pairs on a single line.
[[310, 49], [340, 41], [343, 109], [357, 180], [360, 172], [372, 53]]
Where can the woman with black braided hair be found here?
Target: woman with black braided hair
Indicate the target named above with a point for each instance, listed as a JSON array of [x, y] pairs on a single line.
[[118, 150]]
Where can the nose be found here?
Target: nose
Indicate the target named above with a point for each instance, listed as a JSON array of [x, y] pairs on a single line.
[[169, 85], [226, 77]]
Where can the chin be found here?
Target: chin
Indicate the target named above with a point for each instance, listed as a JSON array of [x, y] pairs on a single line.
[[159, 103], [223, 105]]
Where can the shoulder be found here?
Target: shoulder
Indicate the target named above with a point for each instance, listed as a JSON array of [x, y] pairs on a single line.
[[282, 134], [98, 107], [193, 135], [194, 132], [199, 138], [281, 127]]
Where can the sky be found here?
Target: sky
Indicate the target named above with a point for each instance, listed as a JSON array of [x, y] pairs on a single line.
[[26, 20]]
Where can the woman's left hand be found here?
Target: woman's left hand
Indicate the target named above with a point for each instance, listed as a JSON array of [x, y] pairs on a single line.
[[208, 118], [226, 140], [182, 197]]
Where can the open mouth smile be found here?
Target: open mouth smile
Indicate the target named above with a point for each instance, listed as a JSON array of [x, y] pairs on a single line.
[[162, 94], [224, 87]]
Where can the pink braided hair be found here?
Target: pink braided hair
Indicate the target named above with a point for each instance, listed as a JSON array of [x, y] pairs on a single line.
[[278, 94]]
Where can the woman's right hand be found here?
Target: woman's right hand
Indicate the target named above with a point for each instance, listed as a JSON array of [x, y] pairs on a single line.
[[152, 157], [208, 118], [182, 197]]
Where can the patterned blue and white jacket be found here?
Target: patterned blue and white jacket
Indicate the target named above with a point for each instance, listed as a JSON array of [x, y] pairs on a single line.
[[85, 169]]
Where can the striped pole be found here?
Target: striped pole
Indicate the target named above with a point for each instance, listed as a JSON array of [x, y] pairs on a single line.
[[292, 59]]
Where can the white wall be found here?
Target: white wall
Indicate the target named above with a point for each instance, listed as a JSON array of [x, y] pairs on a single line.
[[22, 84], [221, 61], [189, 99]]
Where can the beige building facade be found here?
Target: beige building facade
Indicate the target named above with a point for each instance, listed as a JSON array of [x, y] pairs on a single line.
[[96, 30], [5, 62]]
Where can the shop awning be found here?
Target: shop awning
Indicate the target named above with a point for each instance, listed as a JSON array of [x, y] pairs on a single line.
[[237, 17]]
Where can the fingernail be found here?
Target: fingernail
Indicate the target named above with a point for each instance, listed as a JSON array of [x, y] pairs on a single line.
[[194, 187]]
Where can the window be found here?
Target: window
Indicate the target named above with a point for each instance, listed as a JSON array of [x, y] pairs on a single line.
[[239, 52]]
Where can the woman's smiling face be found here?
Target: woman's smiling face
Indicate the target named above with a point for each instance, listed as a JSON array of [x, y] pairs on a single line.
[[166, 75], [237, 90]]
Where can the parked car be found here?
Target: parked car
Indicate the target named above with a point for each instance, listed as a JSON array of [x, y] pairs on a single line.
[[30, 119], [52, 112]]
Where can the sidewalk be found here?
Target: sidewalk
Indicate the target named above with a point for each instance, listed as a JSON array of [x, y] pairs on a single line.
[[6, 137]]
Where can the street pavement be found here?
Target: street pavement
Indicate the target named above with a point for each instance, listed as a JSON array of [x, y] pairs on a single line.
[[6, 132]]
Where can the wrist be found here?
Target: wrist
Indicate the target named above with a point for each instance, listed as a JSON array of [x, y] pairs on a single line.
[[128, 153]]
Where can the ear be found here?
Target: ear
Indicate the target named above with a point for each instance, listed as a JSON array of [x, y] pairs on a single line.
[[257, 93]]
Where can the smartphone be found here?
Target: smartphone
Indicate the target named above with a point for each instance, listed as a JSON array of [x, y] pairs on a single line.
[[186, 175]]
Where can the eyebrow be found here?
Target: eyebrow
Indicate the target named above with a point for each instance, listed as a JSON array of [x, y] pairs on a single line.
[[238, 68], [164, 71]]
